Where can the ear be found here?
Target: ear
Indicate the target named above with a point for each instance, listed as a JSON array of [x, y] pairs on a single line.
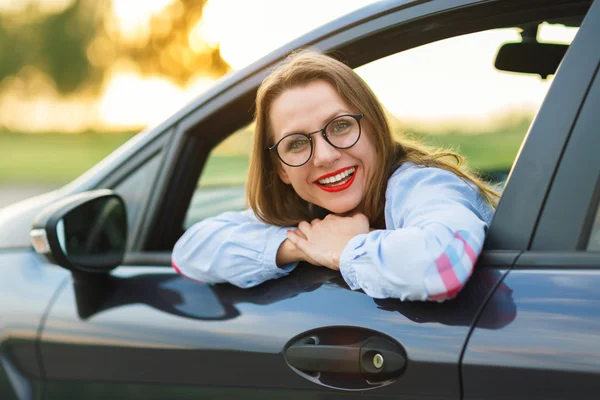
[[283, 175]]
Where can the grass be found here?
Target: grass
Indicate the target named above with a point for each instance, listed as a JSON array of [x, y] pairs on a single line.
[[225, 170], [486, 152], [53, 158], [58, 158]]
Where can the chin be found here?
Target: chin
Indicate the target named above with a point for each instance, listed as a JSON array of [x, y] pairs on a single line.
[[339, 208]]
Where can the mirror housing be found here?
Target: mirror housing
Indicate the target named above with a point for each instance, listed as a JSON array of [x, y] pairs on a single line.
[[530, 57], [86, 232]]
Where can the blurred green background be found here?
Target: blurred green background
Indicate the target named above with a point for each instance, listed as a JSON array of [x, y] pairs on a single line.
[[56, 159]]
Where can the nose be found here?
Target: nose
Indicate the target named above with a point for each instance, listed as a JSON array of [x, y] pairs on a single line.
[[324, 154]]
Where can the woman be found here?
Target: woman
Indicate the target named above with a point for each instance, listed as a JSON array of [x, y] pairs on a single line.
[[329, 185]]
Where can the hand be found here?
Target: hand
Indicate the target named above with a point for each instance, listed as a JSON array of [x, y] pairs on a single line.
[[324, 240], [289, 253]]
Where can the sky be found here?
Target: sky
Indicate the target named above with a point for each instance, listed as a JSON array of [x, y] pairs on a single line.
[[427, 85]]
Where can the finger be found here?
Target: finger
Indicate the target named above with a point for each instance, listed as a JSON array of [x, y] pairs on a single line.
[[298, 241], [358, 215], [305, 228], [360, 218], [315, 221], [297, 232], [294, 236]]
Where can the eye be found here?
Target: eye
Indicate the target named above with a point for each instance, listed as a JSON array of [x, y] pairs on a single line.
[[296, 144], [340, 126]]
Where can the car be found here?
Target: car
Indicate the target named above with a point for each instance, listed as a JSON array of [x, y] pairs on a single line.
[[90, 306]]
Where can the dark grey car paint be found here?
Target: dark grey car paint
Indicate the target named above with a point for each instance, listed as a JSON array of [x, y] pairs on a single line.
[[156, 327], [148, 333], [552, 348], [27, 283]]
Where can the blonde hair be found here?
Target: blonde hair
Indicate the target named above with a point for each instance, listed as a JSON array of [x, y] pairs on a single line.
[[275, 202]]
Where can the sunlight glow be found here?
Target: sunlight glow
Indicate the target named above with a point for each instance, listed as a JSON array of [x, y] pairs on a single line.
[[133, 16], [432, 83], [131, 100], [248, 30]]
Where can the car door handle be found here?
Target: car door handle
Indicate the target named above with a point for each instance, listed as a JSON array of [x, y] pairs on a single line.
[[371, 358]]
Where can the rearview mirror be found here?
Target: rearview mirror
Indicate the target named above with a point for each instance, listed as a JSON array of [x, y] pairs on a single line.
[[86, 232], [530, 57]]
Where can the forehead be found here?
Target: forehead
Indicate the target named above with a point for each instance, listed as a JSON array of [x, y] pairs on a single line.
[[305, 108]]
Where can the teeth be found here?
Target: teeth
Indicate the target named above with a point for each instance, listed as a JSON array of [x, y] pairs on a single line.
[[338, 177]]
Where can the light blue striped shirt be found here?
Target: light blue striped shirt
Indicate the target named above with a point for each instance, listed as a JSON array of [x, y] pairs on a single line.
[[435, 228]]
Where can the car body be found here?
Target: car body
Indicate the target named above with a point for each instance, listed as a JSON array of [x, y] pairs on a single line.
[[527, 325]]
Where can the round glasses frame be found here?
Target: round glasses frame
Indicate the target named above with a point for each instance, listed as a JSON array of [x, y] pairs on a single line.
[[323, 132]]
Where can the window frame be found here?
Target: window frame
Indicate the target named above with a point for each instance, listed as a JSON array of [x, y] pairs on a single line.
[[576, 186]]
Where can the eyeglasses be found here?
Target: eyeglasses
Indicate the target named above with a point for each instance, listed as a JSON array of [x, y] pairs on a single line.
[[296, 149]]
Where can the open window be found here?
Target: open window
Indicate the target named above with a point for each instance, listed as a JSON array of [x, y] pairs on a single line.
[[446, 94], [451, 94], [441, 86]]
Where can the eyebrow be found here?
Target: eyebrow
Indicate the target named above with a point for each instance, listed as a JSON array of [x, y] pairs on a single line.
[[325, 120]]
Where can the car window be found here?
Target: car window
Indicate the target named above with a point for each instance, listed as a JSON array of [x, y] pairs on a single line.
[[449, 94], [135, 188], [221, 184], [594, 241], [446, 94]]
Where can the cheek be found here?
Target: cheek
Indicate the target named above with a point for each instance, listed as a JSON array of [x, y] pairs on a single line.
[[369, 156], [294, 177]]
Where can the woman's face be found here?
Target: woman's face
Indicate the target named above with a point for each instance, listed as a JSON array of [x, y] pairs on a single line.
[[309, 108]]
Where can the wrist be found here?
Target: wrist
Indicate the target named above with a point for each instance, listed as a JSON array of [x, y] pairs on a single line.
[[287, 253], [336, 257]]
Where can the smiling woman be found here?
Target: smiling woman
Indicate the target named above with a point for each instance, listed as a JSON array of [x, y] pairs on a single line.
[[328, 185]]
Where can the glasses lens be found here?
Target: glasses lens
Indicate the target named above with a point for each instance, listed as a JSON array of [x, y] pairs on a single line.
[[343, 132], [294, 149]]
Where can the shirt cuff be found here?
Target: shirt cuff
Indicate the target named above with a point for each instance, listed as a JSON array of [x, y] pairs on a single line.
[[270, 270], [352, 251]]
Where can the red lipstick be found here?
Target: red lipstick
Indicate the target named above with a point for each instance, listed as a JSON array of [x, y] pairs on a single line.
[[337, 188]]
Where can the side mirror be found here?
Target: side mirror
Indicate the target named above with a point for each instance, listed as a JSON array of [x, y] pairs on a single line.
[[532, 57], [86, 232]]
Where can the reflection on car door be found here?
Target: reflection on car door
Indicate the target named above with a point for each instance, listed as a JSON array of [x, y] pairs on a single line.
[[150, 333]]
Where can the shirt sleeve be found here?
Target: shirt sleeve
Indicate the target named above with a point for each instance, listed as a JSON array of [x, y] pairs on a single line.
[[437, 232], [232, 247]]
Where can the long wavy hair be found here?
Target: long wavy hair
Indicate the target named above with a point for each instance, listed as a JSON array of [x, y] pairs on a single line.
[[276, 203]]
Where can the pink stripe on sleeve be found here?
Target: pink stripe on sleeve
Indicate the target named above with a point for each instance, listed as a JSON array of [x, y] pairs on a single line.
[[468, 249], [444, 267], [176, 268]]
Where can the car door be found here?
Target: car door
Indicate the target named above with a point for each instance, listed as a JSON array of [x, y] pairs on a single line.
[[144, 331], [26, 290], [552, 348]]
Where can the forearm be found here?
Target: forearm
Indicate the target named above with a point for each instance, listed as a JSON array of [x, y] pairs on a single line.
[[231, 248], [411, 263]]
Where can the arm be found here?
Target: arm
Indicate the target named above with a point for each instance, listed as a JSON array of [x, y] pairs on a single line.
[[429, 254], [233, 247]]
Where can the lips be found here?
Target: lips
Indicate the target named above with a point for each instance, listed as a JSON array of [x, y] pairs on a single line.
[[340, 187], [334, 173]]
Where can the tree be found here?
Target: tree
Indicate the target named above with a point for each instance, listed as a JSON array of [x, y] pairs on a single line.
[[75, 46]]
